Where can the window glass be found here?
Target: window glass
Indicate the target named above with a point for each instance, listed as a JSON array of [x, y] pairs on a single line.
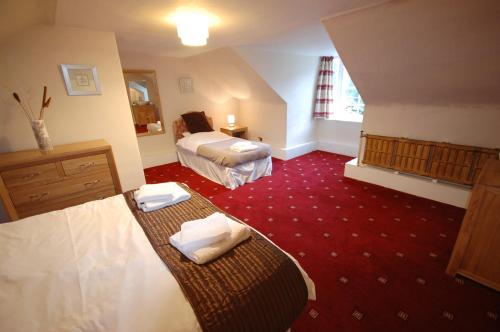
[[348, 104]]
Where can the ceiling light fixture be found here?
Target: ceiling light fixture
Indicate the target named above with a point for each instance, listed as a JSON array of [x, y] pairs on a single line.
[[192, 28]]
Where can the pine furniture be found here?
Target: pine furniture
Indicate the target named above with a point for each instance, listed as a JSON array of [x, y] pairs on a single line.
[[34, 182], [442, 161], [235, 131], [476, 254]]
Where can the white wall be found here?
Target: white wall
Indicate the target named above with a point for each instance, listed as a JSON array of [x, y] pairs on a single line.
[[422, 51], [434, 81], [340, 137], [223, 84], [30, 59], [477, 125], [267, 121], [160, 149], [293, 77]]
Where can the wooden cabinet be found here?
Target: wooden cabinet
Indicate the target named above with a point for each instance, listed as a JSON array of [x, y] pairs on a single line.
[[476, 254], [235, 131], [33, 182], [441, 161]]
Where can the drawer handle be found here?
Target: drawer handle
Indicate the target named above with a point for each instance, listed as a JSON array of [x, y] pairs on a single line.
[[92, 183], [87, 165], [31, 176], [38, 197]]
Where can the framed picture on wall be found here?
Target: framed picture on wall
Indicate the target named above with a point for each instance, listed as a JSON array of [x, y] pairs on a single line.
[[186, 85], [81, 80]]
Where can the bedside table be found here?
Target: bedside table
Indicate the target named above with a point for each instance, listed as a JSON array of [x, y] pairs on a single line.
[[235, 131]]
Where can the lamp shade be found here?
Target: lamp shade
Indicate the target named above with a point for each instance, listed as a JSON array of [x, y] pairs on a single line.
[[231, 120], [192, 28]]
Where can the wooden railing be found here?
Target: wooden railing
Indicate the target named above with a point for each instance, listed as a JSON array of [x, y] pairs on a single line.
[[441, 161]]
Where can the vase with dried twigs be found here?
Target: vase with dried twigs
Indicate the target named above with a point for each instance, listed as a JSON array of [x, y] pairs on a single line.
[[37, 123]]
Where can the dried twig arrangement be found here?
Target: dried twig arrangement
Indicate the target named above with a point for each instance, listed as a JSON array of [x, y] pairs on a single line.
[[45, 102], [28, 112]]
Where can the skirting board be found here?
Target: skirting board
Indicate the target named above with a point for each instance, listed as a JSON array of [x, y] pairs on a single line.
[[340, 148], [294, 151], [415, 185], [151, 159]]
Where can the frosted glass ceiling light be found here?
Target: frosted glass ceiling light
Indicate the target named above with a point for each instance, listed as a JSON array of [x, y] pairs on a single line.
[[192, 28]]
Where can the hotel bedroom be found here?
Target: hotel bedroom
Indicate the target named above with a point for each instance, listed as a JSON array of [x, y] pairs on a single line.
[[325, 165]]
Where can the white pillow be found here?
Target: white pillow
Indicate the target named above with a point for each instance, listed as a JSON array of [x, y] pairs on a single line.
[[186, 134]]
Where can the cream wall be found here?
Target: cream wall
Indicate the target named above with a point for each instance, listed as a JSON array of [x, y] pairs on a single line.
[[16, 15], [293, 77], [340, 137], [426, 70], [422, 51], [267, 121], [477, 125], [30, 59], [262, 110], [223, 84], [436, 81], [160, 149]]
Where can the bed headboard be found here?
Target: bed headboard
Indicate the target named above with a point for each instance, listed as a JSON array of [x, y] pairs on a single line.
[[180, 126]]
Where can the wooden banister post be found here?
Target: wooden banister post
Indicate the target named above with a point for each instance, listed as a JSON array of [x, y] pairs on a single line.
[[361, 135]]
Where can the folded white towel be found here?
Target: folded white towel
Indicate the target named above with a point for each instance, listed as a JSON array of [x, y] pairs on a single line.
[[242, 143], [166, 191], [154, 127], [151, 197], [200, 233], [243, 147], [156, 205], [239, 233]]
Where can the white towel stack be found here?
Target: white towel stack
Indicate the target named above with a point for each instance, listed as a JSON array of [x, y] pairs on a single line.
[[206, 239], [243, 146], [154, 127], [152, 197]]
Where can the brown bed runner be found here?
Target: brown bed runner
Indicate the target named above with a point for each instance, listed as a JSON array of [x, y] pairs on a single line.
[[253, 287]]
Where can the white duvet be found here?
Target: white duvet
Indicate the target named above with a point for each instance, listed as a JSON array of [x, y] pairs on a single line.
[[193, 141], [88, 268]]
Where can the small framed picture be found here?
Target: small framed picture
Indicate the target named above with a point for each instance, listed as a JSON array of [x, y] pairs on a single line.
[[186, 85], [81, 80]]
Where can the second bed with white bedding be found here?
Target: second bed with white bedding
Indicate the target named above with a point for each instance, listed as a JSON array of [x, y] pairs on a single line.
[[230, 177]]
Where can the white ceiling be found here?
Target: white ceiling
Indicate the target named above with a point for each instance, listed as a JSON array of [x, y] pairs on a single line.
[[279, 25]]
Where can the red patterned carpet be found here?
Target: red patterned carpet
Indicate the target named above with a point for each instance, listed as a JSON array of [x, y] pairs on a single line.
[[377, 256]]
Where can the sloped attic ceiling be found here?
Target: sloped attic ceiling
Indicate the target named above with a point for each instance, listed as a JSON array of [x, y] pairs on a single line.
[[16, 15], [422, 51]]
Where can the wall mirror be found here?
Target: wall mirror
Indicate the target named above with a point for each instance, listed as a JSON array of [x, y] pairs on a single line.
[[144, 99]]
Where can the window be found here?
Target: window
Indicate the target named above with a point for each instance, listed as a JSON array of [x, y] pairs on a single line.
[[348, 104]]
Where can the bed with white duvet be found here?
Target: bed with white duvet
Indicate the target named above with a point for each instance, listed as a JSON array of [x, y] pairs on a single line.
[[89, 268]]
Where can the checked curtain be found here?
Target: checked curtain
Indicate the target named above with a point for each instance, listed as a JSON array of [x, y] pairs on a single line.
[[323, 107]]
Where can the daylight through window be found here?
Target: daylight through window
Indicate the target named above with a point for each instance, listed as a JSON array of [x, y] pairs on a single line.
[[348, 104]]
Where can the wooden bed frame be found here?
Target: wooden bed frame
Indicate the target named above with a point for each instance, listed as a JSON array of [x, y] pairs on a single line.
[[180, 127]]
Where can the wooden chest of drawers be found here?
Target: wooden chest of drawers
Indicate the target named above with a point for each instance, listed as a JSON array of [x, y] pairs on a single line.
[[476, 254], [32, 182]]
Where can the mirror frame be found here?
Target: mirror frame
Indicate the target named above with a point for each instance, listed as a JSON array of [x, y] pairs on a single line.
[[145, 71]]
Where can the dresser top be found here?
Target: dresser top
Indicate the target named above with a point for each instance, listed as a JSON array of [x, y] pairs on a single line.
[[10, 159], [490, 175]]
